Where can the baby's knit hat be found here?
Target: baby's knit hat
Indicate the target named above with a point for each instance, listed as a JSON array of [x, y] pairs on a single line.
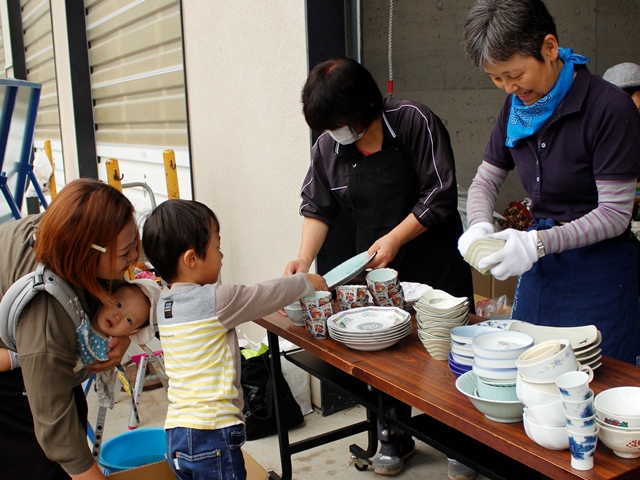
[[623, 75], [152, 290]]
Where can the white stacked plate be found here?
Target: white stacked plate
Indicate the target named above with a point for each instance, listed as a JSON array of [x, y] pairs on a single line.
[[437, 312], [413, 292], [370, 328], [585, 340]]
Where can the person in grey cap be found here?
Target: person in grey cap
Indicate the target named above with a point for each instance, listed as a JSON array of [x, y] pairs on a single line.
[[627, 77]]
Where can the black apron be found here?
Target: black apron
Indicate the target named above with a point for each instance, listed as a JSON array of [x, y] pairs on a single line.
[[383, 188]]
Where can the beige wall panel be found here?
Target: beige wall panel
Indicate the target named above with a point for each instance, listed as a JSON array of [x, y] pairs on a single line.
[[153, 83], [165, 31], [101, 22], [250, 144], [130, 135], [166, 56], [169, 108], [42, 73]]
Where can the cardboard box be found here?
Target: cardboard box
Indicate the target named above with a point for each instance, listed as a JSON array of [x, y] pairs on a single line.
[[162, 471], [487, 286]]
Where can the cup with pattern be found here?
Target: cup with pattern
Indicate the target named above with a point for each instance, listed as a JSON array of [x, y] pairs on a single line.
[[583, 448], [316, 309], [352, 296]]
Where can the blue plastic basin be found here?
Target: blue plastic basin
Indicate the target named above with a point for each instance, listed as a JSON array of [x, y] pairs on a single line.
[[133, 449]]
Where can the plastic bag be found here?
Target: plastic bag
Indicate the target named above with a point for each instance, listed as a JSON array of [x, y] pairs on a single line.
[[490, 307]]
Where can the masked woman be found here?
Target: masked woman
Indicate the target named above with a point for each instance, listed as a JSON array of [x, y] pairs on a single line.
[[574, 140], [389, 163]]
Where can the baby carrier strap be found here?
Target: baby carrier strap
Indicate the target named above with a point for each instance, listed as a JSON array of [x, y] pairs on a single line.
[[23, 291]]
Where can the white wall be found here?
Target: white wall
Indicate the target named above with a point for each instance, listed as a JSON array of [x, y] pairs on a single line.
[[245, 64]]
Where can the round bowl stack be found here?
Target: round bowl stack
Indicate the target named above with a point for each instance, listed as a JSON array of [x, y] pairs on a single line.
[[504, 411], [437, 313], [494, 362], [461, 354], [618, 417], [370, 328]]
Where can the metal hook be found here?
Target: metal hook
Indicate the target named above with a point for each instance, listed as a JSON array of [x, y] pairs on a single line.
[[115, 176]]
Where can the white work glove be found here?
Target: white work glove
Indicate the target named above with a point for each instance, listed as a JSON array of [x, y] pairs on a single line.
[[474, 232], [516, 257]]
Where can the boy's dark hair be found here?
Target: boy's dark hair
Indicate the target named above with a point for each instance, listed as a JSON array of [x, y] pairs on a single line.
[[174, 227]]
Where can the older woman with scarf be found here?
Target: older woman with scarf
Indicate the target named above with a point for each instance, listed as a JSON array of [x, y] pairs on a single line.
[[574, 141]]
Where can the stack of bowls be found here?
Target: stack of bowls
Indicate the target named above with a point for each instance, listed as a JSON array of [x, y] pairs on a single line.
[[437, 312], [461, 354], [618, 417], [494, 362], [505, 411]]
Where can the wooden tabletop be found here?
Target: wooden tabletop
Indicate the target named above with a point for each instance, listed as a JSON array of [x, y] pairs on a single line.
[[407, 372]]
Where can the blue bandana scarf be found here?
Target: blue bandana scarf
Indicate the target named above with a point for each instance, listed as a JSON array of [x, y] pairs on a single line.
[[525, 120]]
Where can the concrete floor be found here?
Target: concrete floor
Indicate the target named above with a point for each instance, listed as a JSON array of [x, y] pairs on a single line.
[[332, 460]]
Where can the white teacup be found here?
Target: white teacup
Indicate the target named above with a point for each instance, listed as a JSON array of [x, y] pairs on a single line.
[[574, 386], [539, 352], [549, 368], [581, 409], [581, 425], [583, 447]]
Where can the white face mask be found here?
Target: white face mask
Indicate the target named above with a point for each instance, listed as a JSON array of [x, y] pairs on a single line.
[[346, 135]]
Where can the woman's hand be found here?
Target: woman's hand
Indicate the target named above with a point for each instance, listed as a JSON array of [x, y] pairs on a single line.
[[117, 348], [387, 248], [299, 265]]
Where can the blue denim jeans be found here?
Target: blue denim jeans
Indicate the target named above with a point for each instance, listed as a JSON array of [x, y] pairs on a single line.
[[207, 454]]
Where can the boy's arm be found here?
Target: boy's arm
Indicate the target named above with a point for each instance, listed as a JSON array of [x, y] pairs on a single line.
[[236, 304]]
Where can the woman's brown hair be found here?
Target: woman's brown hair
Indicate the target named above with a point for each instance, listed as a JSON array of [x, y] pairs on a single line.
[[86, 212]]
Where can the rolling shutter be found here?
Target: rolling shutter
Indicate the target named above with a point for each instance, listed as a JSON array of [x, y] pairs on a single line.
[[40, 64], [135, 56]]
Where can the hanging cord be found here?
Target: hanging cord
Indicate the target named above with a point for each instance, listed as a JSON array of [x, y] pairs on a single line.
[[390, 53]]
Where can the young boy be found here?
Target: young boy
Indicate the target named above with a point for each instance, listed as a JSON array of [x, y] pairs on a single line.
[[131, 314], [197, 320]]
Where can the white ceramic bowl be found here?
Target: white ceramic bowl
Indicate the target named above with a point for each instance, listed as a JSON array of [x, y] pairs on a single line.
[[496, 410], [624, 443], [466, 333], [495, 373], [553, 438], [464, 350], [619, 406], [549, 368], [495, 362], [462, 359], [549, 414], [540, 352], [487, 390], [534, 394], [501, 344], [294, 312]]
